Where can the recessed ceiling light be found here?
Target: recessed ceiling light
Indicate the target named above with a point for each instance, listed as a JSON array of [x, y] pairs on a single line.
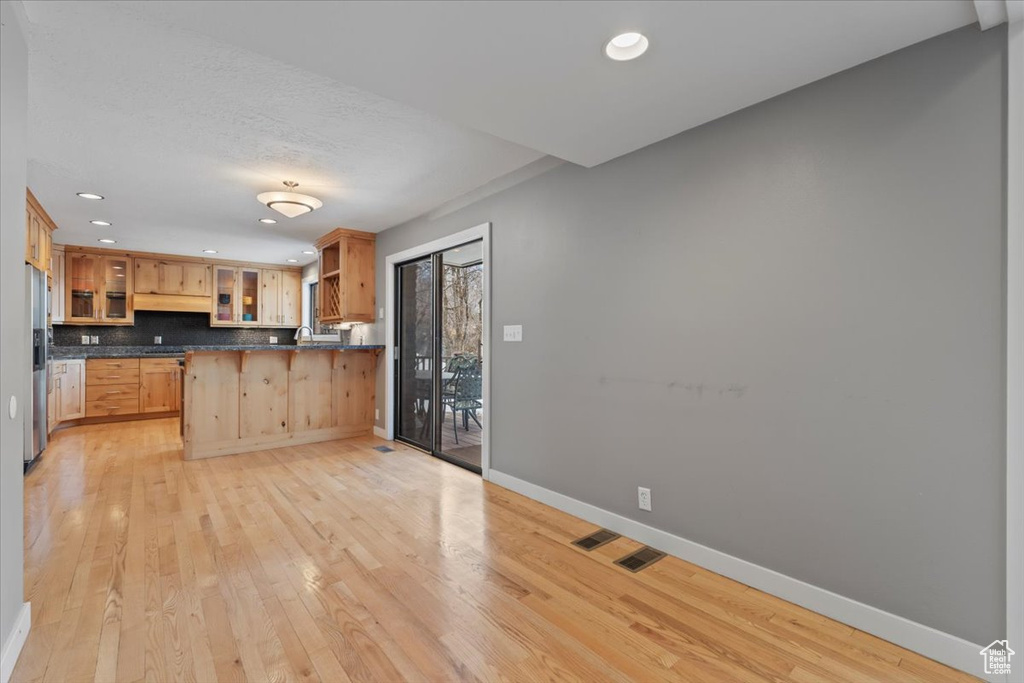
[[309, 252], [106, 241], [626, 46], [209, 251], [90, 195], [99, 222], [292, 260], [268, 221]]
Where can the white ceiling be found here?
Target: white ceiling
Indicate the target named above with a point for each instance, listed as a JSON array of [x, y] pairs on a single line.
[[180, 132], [534, 72], [181, 112]]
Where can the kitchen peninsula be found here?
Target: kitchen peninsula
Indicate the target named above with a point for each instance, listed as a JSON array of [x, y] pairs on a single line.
[[253, 398]]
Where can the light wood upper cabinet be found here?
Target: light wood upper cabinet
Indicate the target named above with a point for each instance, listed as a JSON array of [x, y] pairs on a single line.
[[176, 278], [282, 298], [347, 267], [237, 293], [291, 298], [98, 289], [39, 229], [57, 298]]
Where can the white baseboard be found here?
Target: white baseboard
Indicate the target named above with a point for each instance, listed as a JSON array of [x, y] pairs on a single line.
[[15, 641], [942, 647], [380, 432]]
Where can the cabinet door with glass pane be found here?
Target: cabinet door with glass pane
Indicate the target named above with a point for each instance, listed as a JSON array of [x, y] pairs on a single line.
[[225, 294], [116, 306], [250, 281], [83, 275]]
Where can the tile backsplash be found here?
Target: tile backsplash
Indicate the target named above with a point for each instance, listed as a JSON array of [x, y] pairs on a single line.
[[177, 329]]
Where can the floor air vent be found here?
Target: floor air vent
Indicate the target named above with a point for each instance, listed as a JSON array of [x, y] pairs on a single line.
[[596, 539], [641, 559], [383, 449]]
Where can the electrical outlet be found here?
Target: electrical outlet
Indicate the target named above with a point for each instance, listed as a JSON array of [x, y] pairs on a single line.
[[381, 314], [158, 339], [643, 498], [376, 413], [95, 339], [85, 339], [273, 340]]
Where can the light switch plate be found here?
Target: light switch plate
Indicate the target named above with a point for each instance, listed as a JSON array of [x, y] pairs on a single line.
[[95, 339], [513, 333], [273, 340], [158, 339], [381, 314], [85, 339]]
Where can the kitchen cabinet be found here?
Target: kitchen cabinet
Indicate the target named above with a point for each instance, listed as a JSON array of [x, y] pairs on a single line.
[[282, 296], [68, 377], [347, 266], [111, 386], [159, 385], [98, 289], [39, 229], [57, 298], [171, 277], [237, 293]]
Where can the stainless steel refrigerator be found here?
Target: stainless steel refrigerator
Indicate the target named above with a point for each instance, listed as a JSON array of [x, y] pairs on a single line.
[[35, 424]]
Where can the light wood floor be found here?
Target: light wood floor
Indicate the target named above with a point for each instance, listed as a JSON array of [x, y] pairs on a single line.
[[335, 562]]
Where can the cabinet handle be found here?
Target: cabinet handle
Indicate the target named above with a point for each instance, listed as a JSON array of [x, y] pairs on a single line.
[[113, 377]]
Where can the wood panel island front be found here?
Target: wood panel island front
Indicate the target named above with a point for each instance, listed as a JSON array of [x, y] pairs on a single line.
[[246, 399]]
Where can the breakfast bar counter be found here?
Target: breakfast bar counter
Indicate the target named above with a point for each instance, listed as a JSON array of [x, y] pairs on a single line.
[[242, 399]]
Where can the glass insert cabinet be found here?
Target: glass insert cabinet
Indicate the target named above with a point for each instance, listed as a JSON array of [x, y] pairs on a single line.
[[99, 289], [236, 297]]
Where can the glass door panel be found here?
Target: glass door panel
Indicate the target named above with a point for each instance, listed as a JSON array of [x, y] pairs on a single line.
[[460, 321], [250, 296], [415, 361], [115, 288], [85, 286], [224, 294]]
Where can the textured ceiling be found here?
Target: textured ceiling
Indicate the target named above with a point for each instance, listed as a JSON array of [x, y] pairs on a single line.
[[180, 132], [534, 72]]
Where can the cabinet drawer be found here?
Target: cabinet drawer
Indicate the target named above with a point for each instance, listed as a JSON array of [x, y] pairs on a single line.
[[111, 376], [111, 364], [112, 406], [113, 392], [154, 363]]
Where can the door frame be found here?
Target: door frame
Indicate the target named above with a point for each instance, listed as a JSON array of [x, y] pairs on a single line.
[[478, 232]]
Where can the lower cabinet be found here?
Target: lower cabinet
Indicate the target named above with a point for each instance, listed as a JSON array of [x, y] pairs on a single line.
[[113, 387], [68, 390], [159, 385]]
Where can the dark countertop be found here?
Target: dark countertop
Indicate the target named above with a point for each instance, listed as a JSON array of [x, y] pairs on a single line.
[[74, 352]]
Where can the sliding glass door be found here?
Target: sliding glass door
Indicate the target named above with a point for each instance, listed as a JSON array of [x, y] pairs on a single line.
[[439, 362], [415, 358]]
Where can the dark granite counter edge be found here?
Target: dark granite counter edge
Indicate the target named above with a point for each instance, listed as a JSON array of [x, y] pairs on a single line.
[[73, 353]]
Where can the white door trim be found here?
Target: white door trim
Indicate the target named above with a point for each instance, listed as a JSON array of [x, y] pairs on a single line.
[[482, 231], [1015, 333]]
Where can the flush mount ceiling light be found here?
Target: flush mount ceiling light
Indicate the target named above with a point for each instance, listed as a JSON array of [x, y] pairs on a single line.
[[90, 195], [99, 222], [106, 241], [268, 221], [626, 46], [290, 203]]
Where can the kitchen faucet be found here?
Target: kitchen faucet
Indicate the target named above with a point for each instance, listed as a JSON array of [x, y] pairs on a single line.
[[298, 333]]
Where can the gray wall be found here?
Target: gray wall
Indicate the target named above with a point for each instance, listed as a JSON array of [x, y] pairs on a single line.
[[788, 322], [14, 363]]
